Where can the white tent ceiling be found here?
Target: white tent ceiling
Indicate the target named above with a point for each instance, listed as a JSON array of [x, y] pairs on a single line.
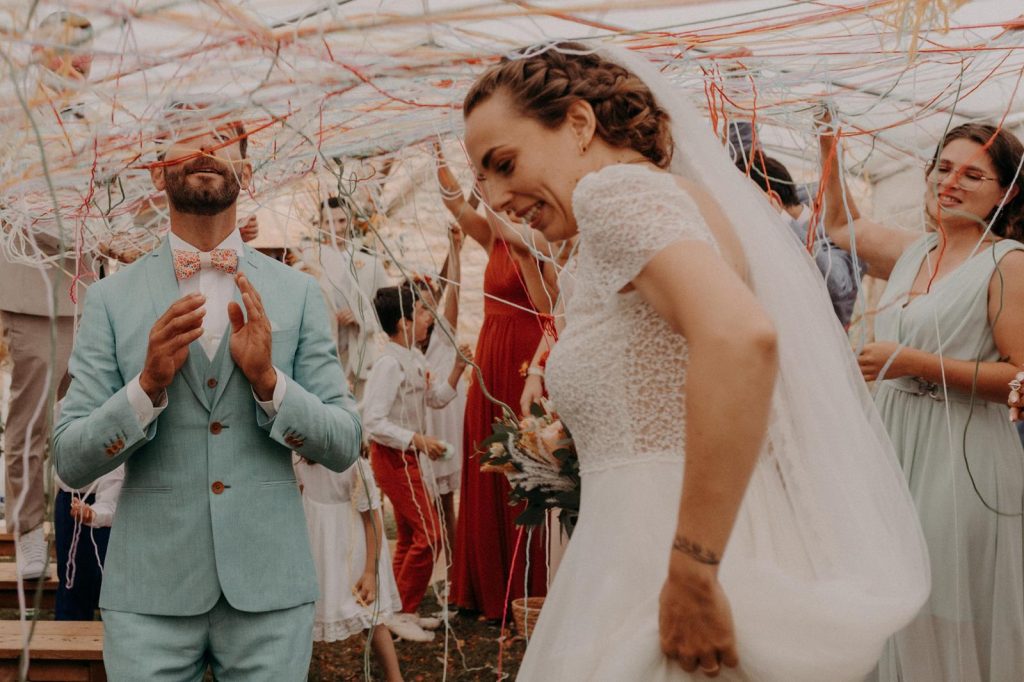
[[365, 77]]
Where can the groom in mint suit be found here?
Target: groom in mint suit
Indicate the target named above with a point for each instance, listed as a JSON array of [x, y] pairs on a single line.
[[201, 367]]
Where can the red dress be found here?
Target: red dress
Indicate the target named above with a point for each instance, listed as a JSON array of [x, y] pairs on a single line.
[[486, 534]]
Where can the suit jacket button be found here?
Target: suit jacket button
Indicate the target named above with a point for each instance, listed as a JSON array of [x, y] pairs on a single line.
[[217, 487], [211, 382], [216, 427]]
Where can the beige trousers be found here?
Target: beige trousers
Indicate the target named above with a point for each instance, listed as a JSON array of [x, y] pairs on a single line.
[[40, 363]]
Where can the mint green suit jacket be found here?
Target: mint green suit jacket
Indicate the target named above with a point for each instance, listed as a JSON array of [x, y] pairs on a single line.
[[209, 505]]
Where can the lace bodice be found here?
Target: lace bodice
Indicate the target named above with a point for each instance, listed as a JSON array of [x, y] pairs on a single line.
[[618, 371]]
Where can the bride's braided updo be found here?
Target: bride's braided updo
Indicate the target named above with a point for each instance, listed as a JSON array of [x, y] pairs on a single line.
[[542, 86]]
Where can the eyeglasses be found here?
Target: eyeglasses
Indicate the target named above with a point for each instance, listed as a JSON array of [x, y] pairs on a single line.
[[968, 180]]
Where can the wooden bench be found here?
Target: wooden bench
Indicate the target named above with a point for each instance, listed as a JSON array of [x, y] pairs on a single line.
[[7, 539], [60, 651], [9, 587]]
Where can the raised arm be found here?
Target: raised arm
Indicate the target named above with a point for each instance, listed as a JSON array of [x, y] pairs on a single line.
[[438, 395], [541, 293], [451, 278], [875, 244], [471, 222]]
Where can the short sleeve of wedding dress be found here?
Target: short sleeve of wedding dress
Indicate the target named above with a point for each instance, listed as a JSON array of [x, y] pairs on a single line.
[[627, 214], [618, 371]]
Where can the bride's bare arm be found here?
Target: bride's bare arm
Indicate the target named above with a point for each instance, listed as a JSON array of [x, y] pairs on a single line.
[[730, 378]]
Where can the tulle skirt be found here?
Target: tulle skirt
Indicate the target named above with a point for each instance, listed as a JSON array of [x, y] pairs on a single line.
[[795, 621], [339, 553]]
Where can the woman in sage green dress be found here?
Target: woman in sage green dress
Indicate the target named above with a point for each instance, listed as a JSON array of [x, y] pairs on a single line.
[[949, 337]]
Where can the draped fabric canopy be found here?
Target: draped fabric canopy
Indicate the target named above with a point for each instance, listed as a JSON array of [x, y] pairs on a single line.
[[348, 97]]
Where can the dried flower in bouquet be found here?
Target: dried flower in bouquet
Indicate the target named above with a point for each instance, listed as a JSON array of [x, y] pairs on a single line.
[[537, 455]]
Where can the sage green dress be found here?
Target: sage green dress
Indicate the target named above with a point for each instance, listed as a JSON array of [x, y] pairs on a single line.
[[960, 457]]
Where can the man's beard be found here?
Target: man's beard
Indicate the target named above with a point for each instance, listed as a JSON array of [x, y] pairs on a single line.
[[207, 199]]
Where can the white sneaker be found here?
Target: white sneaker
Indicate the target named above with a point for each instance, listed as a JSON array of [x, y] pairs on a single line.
[[31, 554], [405, 626], [428, 622]]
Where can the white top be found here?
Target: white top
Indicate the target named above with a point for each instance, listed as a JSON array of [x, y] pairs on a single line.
[[107, 489], [394, 404], [355, 484], [219, 289], [617, 363]]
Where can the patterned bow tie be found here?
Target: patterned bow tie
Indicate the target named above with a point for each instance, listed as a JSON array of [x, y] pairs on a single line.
[[188, 263]]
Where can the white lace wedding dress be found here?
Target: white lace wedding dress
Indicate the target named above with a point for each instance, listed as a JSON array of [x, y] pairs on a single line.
[[617, 377]]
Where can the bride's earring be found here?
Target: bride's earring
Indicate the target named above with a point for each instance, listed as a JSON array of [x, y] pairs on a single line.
[[583, 148]]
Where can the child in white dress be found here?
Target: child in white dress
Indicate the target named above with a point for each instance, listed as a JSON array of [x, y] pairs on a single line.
[[357, 586]]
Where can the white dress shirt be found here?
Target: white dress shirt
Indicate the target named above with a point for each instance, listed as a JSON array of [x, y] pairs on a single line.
[[219, 289], [216, 285], [394, 405]]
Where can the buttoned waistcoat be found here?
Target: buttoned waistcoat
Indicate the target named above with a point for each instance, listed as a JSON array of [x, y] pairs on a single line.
[[209, 503]]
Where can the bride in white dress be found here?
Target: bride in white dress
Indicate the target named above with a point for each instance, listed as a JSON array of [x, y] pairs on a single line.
[[742, 511]]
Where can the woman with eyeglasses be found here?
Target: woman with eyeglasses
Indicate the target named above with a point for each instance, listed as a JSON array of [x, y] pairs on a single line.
[[949, 337]]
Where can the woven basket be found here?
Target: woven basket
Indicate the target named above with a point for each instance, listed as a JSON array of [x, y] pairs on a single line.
[[525, 612]]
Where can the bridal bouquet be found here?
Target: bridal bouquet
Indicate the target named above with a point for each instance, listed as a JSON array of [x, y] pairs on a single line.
[[537, 455]]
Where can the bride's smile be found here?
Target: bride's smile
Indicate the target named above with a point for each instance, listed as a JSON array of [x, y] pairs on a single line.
[[530, 170], [521, 164]]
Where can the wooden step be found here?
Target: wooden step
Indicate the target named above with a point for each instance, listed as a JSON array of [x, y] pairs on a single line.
[[60, 651], [7, 539], [9, 587]]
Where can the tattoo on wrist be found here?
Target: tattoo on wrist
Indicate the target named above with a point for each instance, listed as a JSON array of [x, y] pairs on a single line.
[[695, 551]]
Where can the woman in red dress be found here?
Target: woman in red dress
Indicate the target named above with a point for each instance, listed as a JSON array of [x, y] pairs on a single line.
[[486, 557]]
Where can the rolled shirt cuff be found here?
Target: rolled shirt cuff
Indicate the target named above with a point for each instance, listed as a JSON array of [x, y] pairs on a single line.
[[144, 409], [272, 406]]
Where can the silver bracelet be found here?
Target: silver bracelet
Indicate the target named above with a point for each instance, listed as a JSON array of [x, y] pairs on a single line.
[[534, 370]]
